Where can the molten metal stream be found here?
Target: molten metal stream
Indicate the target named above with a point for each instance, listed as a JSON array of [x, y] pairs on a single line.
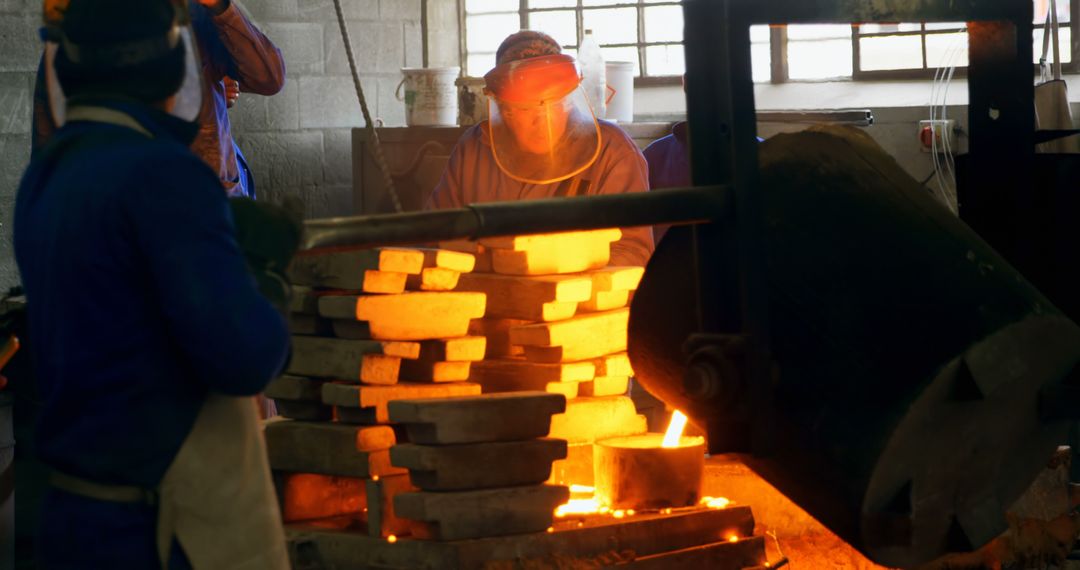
[[583, 500], [674, 430]]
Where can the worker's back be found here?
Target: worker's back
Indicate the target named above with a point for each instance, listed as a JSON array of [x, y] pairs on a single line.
[[138, 296]]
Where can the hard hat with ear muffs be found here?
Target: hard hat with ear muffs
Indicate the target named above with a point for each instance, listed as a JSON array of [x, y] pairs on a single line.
[[136, 49]]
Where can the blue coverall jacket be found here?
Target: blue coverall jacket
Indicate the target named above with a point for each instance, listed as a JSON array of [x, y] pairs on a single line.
[[139, 303]]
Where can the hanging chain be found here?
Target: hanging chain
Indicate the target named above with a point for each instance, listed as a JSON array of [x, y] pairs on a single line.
[[373, 135]]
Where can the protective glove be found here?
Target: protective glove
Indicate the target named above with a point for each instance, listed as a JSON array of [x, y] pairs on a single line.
[[269, 236]]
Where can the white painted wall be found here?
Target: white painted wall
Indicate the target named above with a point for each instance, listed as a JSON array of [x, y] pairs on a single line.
[[898, 106], [670, 100]]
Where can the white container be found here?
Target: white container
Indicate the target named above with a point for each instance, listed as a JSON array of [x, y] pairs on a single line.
[[430, 96], [593, 79], [620, 88], [472, 103]]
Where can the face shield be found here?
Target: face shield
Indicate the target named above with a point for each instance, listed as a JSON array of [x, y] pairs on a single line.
[[187, 101], [541, 125]]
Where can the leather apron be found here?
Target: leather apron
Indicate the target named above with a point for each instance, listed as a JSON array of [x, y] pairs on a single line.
[[217, 498]]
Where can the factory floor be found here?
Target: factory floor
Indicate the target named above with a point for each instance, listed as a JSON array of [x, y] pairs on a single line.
[[1029, 544], [790, 531]]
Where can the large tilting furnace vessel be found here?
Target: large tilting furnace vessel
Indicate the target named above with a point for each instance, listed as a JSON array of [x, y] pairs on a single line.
[[865, 351]]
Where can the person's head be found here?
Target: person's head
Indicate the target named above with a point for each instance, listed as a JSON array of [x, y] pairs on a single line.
[[526, 44], [529, 86], [533, 100], [121, 48], [541, 125]]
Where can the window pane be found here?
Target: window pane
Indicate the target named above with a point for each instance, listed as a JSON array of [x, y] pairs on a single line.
[[947, 50], [819, 59], [758, 34], [561, 25], [485, 33], [895, 52], [946, 25], [552, 3], [1036, 49], [889, 28], [665, 60], [663, 24], [613, 25], [482, 6], [477, 64], [818, 32], [1064, 45], [1043, 6], [760, 62], [623, 54], [606, 2], [819, 51]]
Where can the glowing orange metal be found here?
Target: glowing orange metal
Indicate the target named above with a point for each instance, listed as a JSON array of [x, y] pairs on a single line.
[[674, 430]]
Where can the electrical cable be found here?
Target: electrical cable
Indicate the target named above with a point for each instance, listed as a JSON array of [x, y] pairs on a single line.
[[934, 87], [950, 171], [942, 155], [950, 160]]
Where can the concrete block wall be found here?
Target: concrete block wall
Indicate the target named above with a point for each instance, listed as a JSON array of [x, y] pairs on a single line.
[[19, 53], [443, 33], [298, 141]]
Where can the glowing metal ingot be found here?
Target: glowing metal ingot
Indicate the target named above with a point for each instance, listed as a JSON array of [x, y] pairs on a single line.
[[637, 473]]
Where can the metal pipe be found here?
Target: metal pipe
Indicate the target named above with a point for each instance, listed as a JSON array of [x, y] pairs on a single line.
[[671, 206], [857, 117]]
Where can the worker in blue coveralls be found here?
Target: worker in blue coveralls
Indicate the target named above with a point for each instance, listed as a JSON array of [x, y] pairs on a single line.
[[234, 56], [155, 309], [669, 164]]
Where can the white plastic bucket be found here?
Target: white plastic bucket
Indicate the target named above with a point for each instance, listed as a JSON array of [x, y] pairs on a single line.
[[472, 103], [430, 96], [620, 87]]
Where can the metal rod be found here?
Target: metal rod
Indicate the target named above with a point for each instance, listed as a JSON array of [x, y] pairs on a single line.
[[369, 124], [857, 117], [672, 206]]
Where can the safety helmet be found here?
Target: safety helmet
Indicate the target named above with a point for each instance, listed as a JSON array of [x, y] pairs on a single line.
[[141, 48], [541, 126]]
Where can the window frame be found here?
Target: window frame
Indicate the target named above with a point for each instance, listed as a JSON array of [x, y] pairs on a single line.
[[778, 45], [858, 74], [523, 11]]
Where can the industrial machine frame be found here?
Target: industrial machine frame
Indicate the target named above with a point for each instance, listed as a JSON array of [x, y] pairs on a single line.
[[729, 280], [721, 110]]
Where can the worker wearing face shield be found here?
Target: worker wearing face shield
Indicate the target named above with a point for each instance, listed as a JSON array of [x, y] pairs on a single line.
[[155, 309], [543, 141]]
